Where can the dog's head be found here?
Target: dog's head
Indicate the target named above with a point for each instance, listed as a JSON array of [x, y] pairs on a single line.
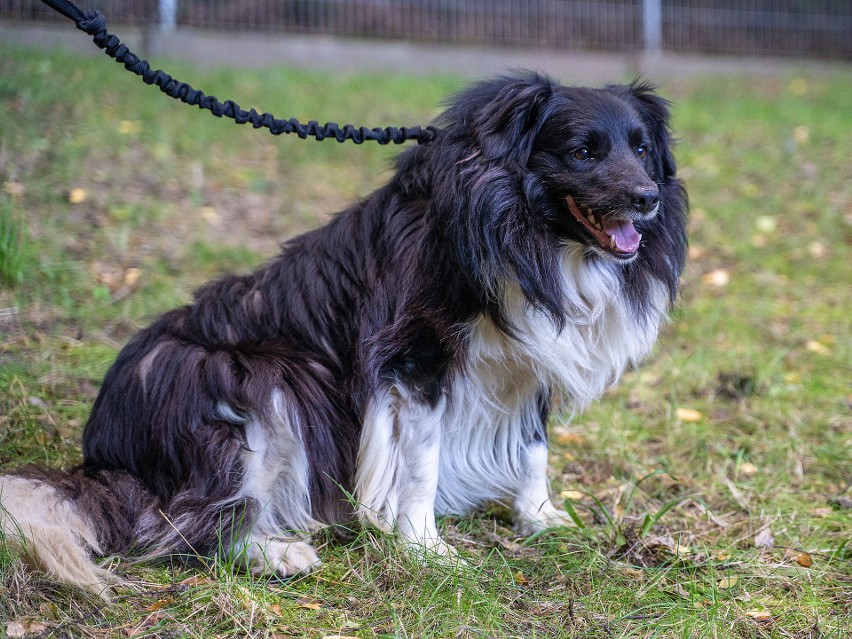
[[530, 167]]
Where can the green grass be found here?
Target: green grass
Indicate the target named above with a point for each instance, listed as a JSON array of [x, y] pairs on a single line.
[[740, 421]]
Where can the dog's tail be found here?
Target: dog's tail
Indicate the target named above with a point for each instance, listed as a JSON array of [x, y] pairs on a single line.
[[59, 519]]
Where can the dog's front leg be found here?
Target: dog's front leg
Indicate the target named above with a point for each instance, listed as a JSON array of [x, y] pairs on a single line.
[[397, 476], [533, 508]]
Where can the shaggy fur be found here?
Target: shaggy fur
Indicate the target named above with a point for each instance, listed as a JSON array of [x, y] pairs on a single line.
[[405, 354]]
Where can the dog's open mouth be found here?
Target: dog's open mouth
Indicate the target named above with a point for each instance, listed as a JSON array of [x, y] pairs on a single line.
[[616, 236]]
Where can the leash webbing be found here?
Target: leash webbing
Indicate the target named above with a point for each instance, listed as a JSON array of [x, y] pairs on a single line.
[[93, 22]]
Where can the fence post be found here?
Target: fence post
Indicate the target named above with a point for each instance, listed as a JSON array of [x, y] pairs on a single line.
[[652, 24], [168, 15]]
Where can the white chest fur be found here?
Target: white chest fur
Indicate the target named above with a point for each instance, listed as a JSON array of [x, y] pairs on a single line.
[[493, 413]]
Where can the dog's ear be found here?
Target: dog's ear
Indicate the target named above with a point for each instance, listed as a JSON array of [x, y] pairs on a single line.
[[654, 110], [507, 125]]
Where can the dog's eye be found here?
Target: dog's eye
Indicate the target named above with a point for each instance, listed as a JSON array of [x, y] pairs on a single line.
[[642, 151], [582, 154]]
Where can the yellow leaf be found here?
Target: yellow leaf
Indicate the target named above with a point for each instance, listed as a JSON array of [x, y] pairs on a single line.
[[800, 557], [817, 347], [565, 436], [520, 578], [15, 189], [210, 215], [573, 495], [759, 615], [77, 195], [688, 414], [194, 580], [310, 606], [766, 224], [131, 275], [154, 607], [727, 582], [801, 134], [718, 278], [817, 249], [128, 127], [747, 468]]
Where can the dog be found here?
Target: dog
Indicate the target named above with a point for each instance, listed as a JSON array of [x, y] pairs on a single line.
[[399, 362]]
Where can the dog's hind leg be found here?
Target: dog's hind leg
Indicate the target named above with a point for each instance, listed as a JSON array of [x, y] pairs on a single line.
[[276, 470]]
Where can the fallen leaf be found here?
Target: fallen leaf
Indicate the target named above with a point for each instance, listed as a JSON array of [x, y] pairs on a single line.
[[727, 582], [817, 347], [766, 223], [15, 189], [718, 278], [688, 415], [77, 195], [817, 249], [800, 557], [822, 511], [308, 605], [565, 436], [801, 134], [15, 629], [520, 578], [194, 580], [128, 127], [339, 637], [764, 538], [154, 607], [573, 495], [210, 215], [747, 468], [759, 615], [633, 573], [131, 276]]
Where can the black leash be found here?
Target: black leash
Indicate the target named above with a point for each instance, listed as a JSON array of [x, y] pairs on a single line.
[[93, 22]]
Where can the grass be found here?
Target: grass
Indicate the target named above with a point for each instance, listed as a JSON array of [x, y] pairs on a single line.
[[710, 488]]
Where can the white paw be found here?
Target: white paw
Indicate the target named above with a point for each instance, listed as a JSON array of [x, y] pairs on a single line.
[[281, 557], [548, 516], [435, 551]]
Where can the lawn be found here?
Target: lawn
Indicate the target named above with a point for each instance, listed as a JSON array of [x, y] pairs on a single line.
[[711, 487]]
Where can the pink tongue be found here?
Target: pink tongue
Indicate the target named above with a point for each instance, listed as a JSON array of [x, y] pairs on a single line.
[[625, 234]]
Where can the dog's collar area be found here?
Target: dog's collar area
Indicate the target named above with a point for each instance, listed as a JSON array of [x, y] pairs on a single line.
[[618, 237]]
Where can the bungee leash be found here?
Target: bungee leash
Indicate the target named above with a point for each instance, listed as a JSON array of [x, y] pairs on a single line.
[[93, 22]]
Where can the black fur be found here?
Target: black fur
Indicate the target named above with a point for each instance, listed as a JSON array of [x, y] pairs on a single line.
[[386, 292]]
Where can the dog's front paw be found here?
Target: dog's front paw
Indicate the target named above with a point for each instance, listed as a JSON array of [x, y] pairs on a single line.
[[282, 557], [548, 516], [435, 551]]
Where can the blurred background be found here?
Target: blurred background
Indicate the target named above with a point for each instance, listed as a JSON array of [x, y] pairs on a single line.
[[813, 28]]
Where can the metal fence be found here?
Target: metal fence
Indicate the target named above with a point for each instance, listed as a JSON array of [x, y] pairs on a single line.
[[813, 28]]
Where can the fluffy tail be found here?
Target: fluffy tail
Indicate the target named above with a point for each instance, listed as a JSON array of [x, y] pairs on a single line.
[[60, 519]]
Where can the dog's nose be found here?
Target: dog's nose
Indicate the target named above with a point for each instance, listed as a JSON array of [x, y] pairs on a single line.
[[645, 199]]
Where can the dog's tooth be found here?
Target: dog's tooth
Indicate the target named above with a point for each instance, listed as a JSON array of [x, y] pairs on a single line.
[[592, 219], [612, 241], [598, 226]]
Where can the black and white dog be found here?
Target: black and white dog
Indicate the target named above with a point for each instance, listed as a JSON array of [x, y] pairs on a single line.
[[398, 362]]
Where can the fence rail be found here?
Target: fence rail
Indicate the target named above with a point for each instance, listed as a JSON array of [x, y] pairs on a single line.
[[813, 28]]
